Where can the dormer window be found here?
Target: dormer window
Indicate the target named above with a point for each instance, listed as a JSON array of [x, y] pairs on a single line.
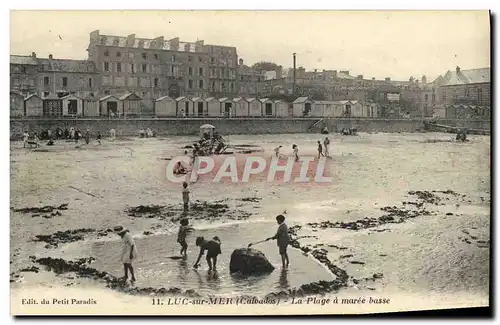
[[116, 42], [103, 40], [141, 43]]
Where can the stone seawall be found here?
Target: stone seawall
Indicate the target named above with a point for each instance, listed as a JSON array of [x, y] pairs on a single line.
[[190, 126]]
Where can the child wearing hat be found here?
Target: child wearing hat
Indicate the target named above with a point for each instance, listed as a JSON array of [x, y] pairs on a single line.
[[129, 251]]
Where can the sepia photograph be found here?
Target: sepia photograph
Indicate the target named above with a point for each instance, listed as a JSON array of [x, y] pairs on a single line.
[[223, 163]]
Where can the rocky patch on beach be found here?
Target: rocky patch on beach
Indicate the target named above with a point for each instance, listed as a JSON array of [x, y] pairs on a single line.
[[469, 238], [63, 237], [213, 210], [46, 212]]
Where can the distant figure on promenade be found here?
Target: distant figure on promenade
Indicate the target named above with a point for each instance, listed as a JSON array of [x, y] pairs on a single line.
[[295, 152], [129, 251], [66, 133], [76, 135], [277, 151], [26, 136], [112, 134], [320, 150], [326, 143], [325, 130], [142, 133], [99, 137]]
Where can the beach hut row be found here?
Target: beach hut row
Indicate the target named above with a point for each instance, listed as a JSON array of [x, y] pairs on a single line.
[[129, 105]]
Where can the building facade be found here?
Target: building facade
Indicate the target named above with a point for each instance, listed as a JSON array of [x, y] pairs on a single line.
[[467, 87]]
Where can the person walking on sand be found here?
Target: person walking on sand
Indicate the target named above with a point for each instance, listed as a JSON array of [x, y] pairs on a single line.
[[295, 152], [320, 150], [185, 196], [283, 239], [213, 250], [37, 140], [129, 251], [277, 151], [26, 136], [326, 142], [99, 137], [181, 236]]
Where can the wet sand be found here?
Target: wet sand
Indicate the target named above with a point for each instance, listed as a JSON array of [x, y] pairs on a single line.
[[442, 256]]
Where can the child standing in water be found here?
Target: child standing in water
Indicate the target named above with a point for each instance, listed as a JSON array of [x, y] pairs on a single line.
[[185, 196], [283, 239], [212, 247], [181, 236], [129, 251]]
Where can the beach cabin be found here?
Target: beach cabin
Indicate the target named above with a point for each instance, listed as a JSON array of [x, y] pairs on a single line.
[[356, 108], [52, 106], [240, 107], [281, 108], [16, 104], [165, 106], [439, 111], [33, 105], [268, 107], [90, 106], [254, 107], [72, 105], [184, 106], [302, 106], [213, 106], [207, 129], [199, 106], [108, 106], [131, 104], [227, 107], [323, 108], [370, 110]]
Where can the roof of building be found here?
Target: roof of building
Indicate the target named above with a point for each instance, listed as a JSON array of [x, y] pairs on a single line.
[[301, 100], [131, 95], [209, 99], [23, 59], [31, 96], [343, 75], [265, 100], [178, 99], [70, 96], [250, 99], [463, 77], [163, 98], [91, 97], [145, 43], [223, 99], [13, 92], [51, 97], [108, 97], [237, 99], [195, 99]]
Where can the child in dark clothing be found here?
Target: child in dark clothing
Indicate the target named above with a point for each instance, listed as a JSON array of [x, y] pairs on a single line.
[[181, 236], [283, 239], [212, 247], [320, 150]]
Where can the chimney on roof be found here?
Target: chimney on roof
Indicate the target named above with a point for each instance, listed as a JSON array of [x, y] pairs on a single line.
[[360, 76], [316, 70], [33, 55], [130, 40], [373, 78], [187, 47], [458, 69], [241, 62], [50, 56], [387, 79]]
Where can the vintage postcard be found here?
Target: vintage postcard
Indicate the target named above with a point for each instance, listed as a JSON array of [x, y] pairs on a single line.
[[248, 163]]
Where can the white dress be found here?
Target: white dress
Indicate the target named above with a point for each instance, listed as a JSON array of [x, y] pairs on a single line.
[[127, 242]]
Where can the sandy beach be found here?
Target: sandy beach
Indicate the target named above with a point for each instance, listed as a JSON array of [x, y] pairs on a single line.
[[406, 218]]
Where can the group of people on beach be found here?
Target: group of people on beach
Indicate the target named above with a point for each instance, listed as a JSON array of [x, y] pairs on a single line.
[[295, 148], [212, 246]]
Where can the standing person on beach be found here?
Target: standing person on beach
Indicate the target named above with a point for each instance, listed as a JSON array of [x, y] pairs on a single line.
[[326, 142], [295, 152], [181, 236], [185, 196], [212, 247], [99, 137], [129, 251], [283, 239], [37, 140], [320, 150], [277, 151], [26, 136], [112, 134]]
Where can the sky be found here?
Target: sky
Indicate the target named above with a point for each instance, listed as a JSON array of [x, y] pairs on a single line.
[[380, 44]]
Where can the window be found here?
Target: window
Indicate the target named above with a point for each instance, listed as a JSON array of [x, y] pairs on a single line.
[[433, 98], [200, 59], [156, 82], [190, 71], [467, 92], [131, 55], [118, 54], [65, 82], [106, 66], [46, 94], [155, 56], [173, 58], [190, 83], [106, 92], [132, 68], [90, 82], [172, 70], [46, 80], [200, 84], [426, 97], [144, 68], [118, 67], [144, 56], [190, 58], [106, 53], [200, 71]]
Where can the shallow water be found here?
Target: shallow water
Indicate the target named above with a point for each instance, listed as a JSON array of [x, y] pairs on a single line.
[[155, 269]]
